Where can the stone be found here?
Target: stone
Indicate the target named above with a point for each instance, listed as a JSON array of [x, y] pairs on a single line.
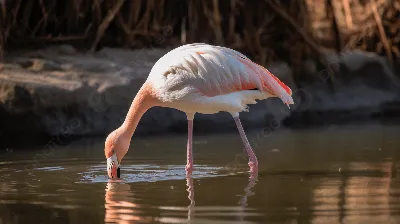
[[366, 84], [63, 92]]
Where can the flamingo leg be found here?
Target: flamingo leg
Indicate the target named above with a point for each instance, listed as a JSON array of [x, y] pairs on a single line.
[[189, 165], [253, 163]]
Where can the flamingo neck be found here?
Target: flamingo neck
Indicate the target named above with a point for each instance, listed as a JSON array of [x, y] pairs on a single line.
[[143, 101]]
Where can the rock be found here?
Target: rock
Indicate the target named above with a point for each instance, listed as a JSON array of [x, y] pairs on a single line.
[[62, 92], [55, 92], [366, 83]]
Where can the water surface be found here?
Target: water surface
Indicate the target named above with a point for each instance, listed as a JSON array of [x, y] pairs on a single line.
[[337, 174]]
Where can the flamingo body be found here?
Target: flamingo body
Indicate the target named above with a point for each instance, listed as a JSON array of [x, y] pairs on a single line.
[[198, 78], [202, 78]]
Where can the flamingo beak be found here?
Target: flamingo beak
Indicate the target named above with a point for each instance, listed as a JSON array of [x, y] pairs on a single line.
[[113, 169]]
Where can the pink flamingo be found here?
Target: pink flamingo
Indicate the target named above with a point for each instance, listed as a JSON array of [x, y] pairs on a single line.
[[198, 78]]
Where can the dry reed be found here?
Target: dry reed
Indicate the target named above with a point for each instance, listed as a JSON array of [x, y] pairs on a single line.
[[265, 30]]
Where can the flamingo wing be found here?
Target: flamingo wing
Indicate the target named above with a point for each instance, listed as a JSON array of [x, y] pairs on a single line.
[[215, 70]]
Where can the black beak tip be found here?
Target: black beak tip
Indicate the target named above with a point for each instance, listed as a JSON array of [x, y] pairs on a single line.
[[119, 172]]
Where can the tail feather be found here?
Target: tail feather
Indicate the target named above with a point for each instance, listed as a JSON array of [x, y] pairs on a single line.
[[277, 87], [269, 82]]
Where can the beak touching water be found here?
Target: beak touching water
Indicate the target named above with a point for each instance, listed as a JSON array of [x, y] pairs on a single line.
[[113, 169]]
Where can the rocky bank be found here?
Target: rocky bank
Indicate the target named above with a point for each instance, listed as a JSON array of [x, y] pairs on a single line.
[[60, 91]]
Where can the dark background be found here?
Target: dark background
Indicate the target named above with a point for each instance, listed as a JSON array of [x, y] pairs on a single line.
[[341, 59]]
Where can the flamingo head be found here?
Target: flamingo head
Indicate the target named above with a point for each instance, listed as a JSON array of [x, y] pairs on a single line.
[[116, 146]]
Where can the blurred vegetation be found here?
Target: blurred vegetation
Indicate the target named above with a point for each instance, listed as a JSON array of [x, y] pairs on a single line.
[[265, 30]]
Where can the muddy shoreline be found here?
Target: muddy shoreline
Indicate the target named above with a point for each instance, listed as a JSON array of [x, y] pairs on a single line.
[[61, 92]]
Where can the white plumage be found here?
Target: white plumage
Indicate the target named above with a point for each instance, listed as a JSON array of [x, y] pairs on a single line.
[[208, 79]]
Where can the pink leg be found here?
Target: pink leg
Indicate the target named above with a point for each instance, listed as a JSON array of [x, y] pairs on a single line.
[[189, 166], [253, 163]]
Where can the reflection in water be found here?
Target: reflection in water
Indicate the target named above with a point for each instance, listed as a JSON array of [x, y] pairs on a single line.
[[117, 207], [190, 190], [252, 181], [243, 200], [247, 190], [364, 198], [6, 215], [342, 175]]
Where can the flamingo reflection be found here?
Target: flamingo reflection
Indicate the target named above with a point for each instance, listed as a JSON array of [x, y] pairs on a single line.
[[117, 207], [247, 192], [243, 200], [190, 190], [120, 206]]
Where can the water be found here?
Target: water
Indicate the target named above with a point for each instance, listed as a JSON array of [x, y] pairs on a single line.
[[340, 174]]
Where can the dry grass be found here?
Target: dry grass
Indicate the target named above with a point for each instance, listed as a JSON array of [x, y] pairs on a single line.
[[265, 30], [370, 25]]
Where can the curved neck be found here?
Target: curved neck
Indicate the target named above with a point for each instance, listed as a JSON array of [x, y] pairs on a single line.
[[140, 104]]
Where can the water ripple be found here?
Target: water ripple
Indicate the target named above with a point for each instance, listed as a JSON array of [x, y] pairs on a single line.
[[147, 173]]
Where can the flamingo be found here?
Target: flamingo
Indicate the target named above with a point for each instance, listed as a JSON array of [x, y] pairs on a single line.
[[198, 78]]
